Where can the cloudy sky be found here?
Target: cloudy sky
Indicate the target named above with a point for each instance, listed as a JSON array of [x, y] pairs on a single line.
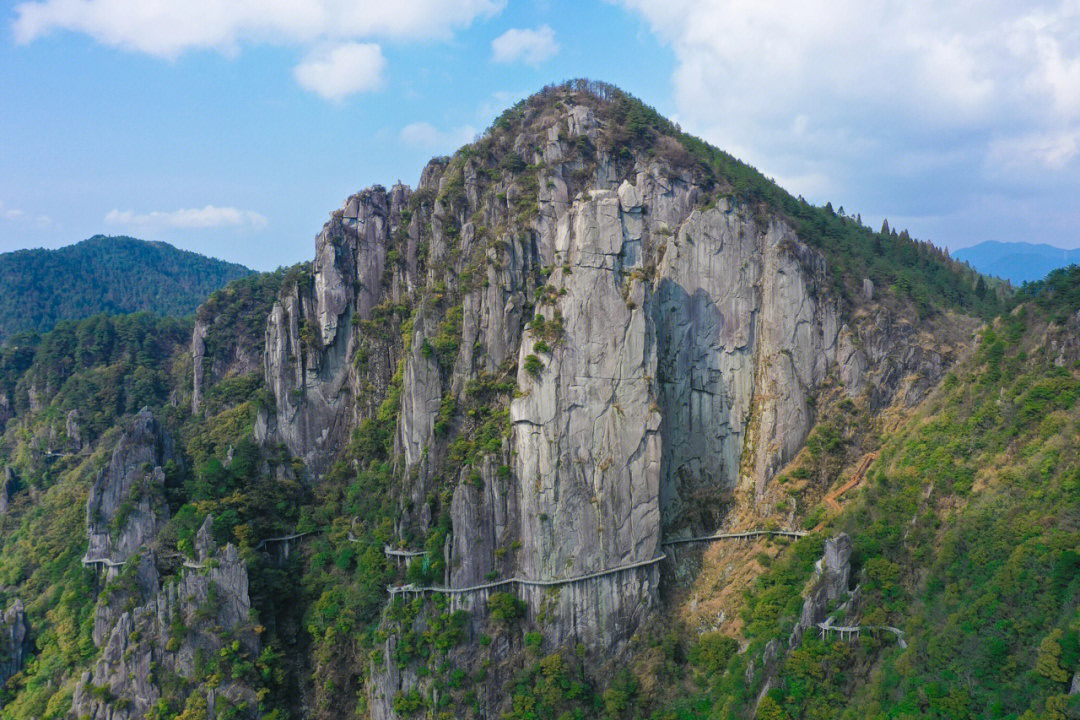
[[232, 127]]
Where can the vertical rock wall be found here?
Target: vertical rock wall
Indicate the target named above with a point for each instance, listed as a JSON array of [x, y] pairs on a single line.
[[667, 343]]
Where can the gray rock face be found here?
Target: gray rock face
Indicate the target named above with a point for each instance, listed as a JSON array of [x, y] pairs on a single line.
[[225, 344], [585, 431], [148, 633], [668, 347], [125, 510], [831, 583], [74, 430], [6, 410], [8, 484], [311, 342], [745, 339], [15, 644]]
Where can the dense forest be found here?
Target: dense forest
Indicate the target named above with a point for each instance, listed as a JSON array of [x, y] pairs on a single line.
[[40, 287]]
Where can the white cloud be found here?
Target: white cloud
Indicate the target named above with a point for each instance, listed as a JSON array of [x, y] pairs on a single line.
[[426, 136], [10, 213], [188, 219], [335, 72], [531, 46], [906, 108], [1034, 152], [748, 72], [168, 28]]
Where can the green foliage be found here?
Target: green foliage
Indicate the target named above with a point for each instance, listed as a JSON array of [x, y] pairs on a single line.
[[1058, 294], [712, 651], [964, 542], [533, 365], [553, 688], [104, 367], [505, 607], [39, 287]]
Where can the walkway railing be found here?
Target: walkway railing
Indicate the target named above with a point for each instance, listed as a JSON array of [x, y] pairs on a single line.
[[395, 552], [104, 562], [286, 538], [402, 589], [738, 536], [852, 631]]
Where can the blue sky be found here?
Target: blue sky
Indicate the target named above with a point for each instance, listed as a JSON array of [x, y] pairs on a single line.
[[233, 127]]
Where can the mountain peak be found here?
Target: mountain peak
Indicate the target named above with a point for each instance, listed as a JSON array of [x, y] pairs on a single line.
[[120, 274]]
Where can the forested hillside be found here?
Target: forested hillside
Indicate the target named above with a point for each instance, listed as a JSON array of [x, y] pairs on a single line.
[[965, 535], [104, 275]]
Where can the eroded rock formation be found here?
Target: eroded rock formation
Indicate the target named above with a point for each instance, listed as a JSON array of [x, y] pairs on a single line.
[[126, 509], [152, 634], [667, 346], [15, 644]]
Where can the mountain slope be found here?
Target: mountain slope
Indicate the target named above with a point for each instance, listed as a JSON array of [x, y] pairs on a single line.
[[104, 274], [440, 469], [1018, 262]]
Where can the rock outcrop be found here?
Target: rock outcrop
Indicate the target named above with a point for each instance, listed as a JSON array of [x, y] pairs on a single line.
[[126, 509], [831, 582], [153, 634], [15, 643], [312, 336], [227, 341], [667, 346], [9, 483]]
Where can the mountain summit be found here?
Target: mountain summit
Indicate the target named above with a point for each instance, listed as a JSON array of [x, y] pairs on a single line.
[[595, 421]]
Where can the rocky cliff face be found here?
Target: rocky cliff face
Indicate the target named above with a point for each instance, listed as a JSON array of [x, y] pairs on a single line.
[[126, 508], [313, 337], [183, 643], [666, 346], [227, 341], [15, 643], [832, 581]]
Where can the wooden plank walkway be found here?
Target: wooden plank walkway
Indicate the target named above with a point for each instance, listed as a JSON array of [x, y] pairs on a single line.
[[395, 552]]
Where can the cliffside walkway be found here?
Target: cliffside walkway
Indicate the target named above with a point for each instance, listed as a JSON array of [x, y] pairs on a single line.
[[402, 589], [103, 562], [287, 538], [847, 632], [396, 552], [744, 535], [416, 589]]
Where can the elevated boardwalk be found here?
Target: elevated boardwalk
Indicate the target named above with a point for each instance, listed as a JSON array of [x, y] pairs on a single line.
[[102, 562], [418, 589], [287, 538], [744, 535], [849, 632], [396, 552]]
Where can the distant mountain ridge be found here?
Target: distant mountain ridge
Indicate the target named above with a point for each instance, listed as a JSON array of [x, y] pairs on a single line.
[[1019, 262], [39, 287]]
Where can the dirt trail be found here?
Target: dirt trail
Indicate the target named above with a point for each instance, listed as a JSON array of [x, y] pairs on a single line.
[[833, 498]]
